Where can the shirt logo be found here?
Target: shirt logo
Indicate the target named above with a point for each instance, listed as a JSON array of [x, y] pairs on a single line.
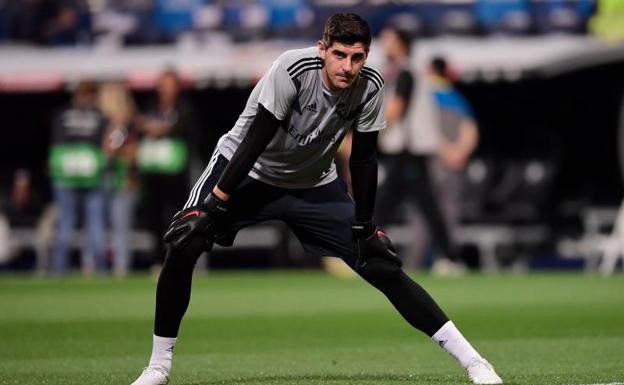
[[315, 137], [311, 107]]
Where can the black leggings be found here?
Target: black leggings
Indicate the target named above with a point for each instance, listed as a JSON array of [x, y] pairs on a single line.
[[174, 293], [320, 217]]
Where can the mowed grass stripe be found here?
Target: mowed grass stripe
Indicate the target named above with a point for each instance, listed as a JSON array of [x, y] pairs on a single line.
[[307, 328]]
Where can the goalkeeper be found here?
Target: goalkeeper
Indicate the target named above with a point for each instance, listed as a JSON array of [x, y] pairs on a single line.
[[277, 163]]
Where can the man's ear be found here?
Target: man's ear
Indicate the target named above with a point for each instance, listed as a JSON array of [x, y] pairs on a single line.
[[322, 49]]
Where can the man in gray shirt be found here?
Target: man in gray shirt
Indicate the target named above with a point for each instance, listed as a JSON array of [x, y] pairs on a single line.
[[277, 163]]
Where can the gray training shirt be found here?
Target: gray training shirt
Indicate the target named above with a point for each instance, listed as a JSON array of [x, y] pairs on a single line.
[[314, 120]]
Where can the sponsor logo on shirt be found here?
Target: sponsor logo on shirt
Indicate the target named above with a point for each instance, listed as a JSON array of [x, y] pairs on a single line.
[[315, 137], [311, 107]]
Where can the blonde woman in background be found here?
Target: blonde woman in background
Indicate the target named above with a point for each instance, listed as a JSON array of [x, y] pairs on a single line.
[[120, 147]]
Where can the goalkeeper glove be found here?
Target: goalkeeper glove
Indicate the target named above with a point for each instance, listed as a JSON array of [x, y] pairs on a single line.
[[195, 221], [372, 242]]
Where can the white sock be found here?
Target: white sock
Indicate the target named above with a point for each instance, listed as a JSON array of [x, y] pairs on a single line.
[[449, 338], [162, 352]]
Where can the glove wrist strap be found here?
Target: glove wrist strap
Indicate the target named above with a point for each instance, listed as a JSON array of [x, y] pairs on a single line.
[[363, 230], [214, 204]]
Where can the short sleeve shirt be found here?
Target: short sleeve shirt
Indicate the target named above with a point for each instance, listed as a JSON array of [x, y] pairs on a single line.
[[314, 119], [453, 109]]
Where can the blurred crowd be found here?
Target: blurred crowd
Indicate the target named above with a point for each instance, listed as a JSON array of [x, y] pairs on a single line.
[[106, 157], [117, 169], [103, 153], [83, 22]]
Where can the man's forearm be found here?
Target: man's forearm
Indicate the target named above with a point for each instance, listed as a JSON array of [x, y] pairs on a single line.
[[364, 186], [363, 166]]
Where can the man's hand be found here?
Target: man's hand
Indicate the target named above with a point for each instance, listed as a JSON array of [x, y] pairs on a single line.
[[195, 221], [372, 242]]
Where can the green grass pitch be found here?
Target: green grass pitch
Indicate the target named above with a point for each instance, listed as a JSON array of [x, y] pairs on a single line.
[[310, 328]]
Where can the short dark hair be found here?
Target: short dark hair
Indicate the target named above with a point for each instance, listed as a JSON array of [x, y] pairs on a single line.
[[347, 28]]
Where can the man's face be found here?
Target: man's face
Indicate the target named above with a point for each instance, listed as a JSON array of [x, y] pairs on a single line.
[[343, 63]]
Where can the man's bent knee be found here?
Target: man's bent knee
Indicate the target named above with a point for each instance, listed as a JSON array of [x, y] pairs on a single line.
[[378, 270], [189, 254]]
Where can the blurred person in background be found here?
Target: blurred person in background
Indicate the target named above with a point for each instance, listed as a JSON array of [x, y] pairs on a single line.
[[163, 158], [53, 22], [458, 138], [77, 167], [21, 206], [120, 147], [409, 145], [69, 24], [277, 162]]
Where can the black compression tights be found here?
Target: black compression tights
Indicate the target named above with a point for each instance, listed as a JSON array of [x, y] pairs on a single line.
[[174, 292], [412, 301]]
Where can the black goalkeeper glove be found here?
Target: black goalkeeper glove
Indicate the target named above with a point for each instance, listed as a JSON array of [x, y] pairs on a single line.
[[372, 242], [195, 221]]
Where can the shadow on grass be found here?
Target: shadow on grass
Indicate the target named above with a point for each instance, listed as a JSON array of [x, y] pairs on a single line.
[[324, 379]]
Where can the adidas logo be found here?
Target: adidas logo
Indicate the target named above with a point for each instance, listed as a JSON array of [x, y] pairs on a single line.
[[311, 107]]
